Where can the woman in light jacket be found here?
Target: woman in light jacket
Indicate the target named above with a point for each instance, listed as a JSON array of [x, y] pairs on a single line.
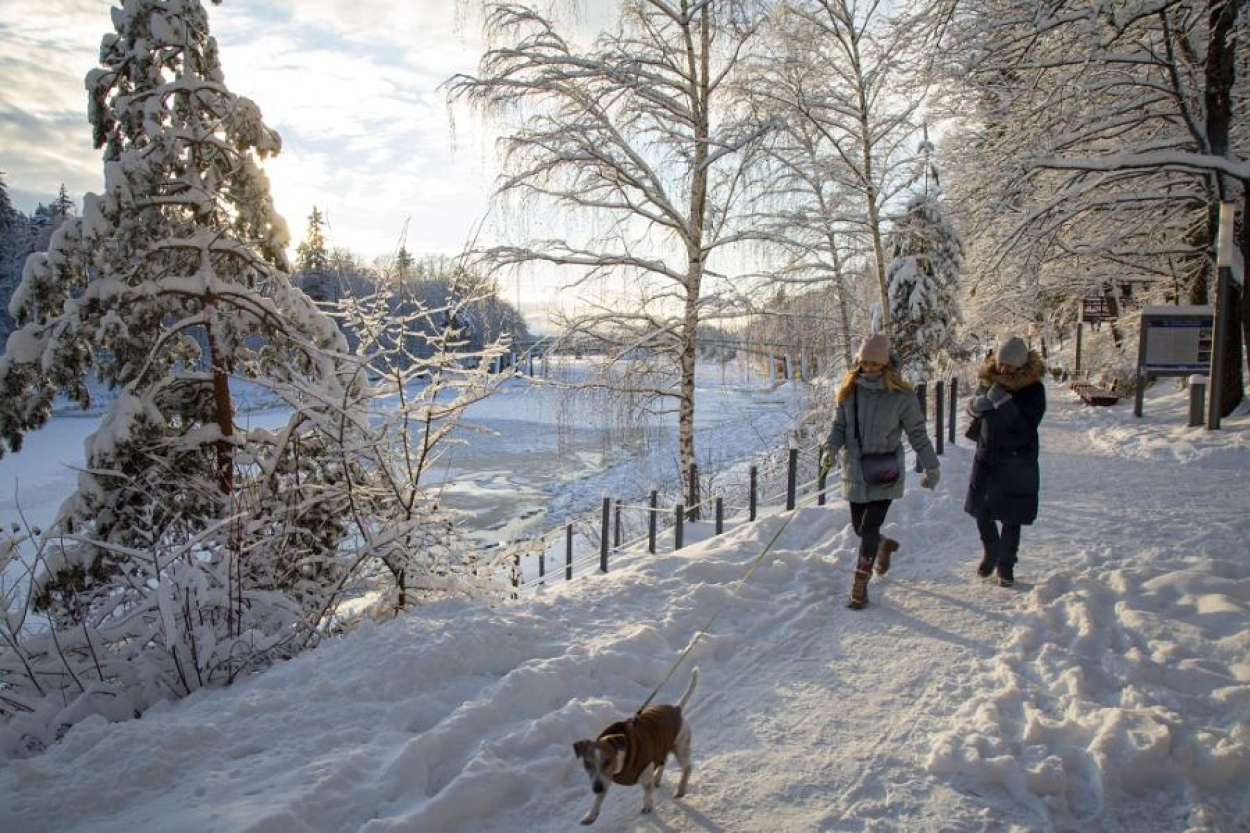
[[875, 407]]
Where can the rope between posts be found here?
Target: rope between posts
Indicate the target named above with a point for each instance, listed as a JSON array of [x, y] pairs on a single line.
[[759, 559]]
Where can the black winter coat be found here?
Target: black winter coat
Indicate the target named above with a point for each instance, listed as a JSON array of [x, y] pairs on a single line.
[[1005, 475]]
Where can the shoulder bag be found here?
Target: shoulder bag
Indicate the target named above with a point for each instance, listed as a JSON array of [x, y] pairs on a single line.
[[880, 468]]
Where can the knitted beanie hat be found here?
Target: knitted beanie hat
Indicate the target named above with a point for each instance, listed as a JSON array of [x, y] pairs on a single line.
[[875, 348], [1012, 351]]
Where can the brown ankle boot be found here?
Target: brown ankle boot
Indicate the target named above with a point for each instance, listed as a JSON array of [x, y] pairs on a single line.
[[887, 547], [859, 590]]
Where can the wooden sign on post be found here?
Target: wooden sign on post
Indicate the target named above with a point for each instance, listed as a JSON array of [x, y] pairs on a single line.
[[1095, 309]]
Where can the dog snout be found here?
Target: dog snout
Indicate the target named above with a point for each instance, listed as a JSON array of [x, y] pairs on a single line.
[[597, 787]]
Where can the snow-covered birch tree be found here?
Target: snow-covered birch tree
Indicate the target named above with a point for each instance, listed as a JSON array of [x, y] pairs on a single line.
[[840, 78], [639, 140], [1101, 136]]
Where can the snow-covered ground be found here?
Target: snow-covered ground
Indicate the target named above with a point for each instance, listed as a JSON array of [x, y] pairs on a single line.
[[1110, 691]]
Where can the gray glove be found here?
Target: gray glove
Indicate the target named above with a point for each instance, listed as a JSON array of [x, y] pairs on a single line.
[[993, 399], [826, 462], [998, 396], [929, 479]]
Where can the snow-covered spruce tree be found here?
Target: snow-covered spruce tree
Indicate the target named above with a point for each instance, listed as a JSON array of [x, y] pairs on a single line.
[[12, 239], [923, 280], [192, 550]]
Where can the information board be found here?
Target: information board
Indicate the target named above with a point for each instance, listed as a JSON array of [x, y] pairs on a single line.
[[1177, 346]]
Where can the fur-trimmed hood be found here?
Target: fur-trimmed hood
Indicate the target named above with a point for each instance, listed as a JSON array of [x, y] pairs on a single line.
[[1033, 371]]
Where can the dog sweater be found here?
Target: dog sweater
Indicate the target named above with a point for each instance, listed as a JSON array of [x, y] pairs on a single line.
[[649, 738]]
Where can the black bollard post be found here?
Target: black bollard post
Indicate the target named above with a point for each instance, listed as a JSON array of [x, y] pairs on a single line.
[[651, 519], [754, 484], [677, 527], [568, 552], [922, 394], [953, 411], [939, 414], [691, 490], [720, 515], [616, 528], [603, 535], [792, 476]]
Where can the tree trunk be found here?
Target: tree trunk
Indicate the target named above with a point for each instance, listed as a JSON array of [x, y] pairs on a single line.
[[1220, 73], [1244, 245], [874, 225], [700, 94], [223, 404]]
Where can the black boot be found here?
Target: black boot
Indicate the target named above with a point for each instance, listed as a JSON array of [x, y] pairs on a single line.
[[986, 567], [1006, 574]]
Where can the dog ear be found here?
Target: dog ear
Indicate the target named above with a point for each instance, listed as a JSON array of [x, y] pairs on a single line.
[[580, 747], [617, 742]]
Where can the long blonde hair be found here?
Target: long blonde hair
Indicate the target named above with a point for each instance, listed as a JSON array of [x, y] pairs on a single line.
[[893, 381]]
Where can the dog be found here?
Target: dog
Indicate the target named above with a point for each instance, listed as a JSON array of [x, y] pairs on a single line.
[[636, 750]]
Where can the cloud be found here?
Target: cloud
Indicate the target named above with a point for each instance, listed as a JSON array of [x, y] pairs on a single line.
[[351, 87]]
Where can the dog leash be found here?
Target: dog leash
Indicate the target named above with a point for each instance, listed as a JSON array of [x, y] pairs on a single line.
[[737, 586]]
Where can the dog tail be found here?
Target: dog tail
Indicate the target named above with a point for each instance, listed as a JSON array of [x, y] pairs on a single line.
[[694, 681]]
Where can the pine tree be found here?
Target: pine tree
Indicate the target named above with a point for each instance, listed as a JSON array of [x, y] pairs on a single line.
[[12, 253], [922, 279], [167, 287], [312, 259], [62, 207]]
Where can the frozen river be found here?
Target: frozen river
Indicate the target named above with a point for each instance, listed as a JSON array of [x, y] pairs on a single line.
[[525, 459]]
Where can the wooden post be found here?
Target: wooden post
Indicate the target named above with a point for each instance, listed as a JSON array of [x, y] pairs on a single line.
[[542, 566], [516, 575], [603, 535], [677, 527], [820, 485], [939, 413], [953, 409], [651, 521], [792, 475], [754, 484], [568, 552], [720, 515]]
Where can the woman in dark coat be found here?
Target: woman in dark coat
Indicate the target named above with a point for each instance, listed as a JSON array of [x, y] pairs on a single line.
[[1007, 410]]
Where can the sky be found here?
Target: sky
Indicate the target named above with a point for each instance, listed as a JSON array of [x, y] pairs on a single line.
[[353, 89]]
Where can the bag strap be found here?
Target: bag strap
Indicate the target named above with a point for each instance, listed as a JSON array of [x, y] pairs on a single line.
[[859, 441]]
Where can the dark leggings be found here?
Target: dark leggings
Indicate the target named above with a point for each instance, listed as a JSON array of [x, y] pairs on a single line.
[[1001, 547], [867, 518]]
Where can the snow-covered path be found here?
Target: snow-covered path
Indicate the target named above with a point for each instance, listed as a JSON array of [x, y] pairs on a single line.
[[1109, 691]]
